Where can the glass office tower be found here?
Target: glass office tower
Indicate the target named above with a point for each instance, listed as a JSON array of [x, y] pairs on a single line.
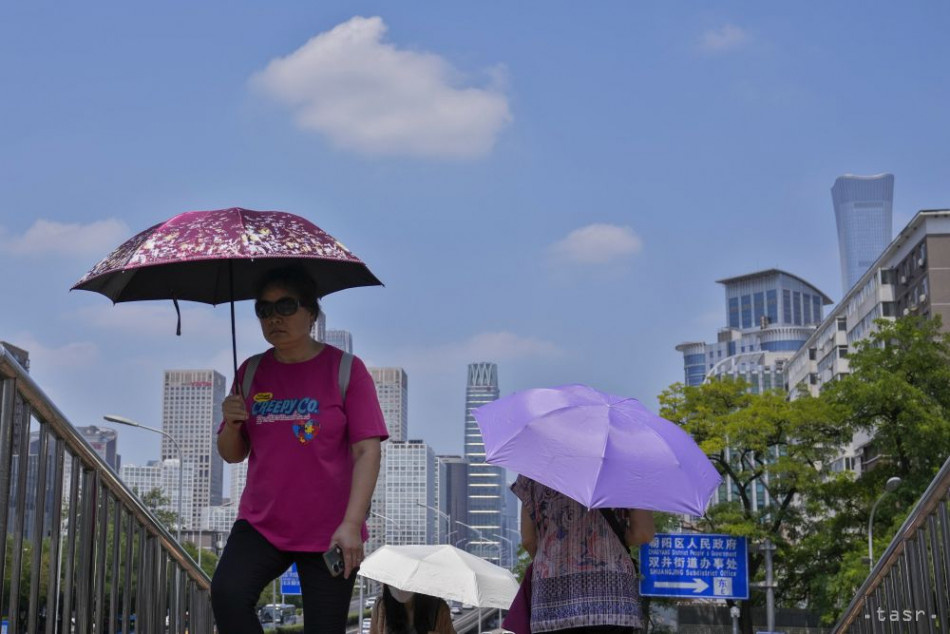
[[863, 210], [485, 481]]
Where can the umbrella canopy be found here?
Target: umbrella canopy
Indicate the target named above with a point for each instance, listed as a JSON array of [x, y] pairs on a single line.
[[604, 451], [442, 571], [221, 256]]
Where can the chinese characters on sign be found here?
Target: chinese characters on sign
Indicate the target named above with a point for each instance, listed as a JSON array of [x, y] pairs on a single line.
[[289, 581], [695, 565]]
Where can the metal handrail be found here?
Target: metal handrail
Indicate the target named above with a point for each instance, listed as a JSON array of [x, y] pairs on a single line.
[[85, 592], [912, 575]]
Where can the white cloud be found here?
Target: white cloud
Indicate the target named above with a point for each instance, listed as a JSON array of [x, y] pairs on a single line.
[[369, 97], [725, 38], [79, 354], [58, 238], [598, 244]]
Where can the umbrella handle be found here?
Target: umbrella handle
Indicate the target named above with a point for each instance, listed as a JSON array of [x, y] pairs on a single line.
[[233, 335]]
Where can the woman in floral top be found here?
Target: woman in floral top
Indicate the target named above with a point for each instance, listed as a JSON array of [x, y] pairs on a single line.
[[583, 578]]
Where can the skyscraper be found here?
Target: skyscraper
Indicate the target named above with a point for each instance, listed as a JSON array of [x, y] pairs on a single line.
[[191, 412], [410, 493], [104, 442], [452, 497], [341, 339], [392, 389], [485, 481], [863, 210]]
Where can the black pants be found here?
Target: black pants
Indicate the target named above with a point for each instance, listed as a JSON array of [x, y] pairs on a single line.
[[250, 562]]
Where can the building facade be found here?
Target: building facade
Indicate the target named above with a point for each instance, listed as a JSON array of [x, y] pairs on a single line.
[[410, 493], [341, 339], [163, 475], [452, 497], [104, 441], [863, 212], [392, 390], [769, 315], [910, 277], [191, 413], [485, 481]]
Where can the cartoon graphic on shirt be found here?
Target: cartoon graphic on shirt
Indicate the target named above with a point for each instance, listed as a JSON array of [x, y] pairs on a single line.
[[301, 412], [305, 433]]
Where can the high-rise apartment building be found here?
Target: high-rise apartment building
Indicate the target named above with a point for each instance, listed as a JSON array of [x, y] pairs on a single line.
[[410, 493], [392, 389], [863, 211], [191, 412], [910, 277], [341, 339], [485, 481]]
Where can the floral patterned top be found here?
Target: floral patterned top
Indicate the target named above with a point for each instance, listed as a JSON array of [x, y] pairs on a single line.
[[583, 576]]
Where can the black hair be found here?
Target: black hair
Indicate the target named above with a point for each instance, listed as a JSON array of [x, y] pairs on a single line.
[[426, 611], [294, 279]]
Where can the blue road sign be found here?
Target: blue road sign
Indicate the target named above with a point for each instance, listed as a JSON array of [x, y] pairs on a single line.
[[289, 581], [695, 565]]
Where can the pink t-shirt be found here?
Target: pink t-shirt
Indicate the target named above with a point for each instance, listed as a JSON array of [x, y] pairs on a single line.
[[300, 467]]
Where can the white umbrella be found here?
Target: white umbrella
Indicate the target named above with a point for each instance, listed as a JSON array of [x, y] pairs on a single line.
[[442, 571]]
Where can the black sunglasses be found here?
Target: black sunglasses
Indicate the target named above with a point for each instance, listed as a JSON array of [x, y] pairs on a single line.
[[285, 306]]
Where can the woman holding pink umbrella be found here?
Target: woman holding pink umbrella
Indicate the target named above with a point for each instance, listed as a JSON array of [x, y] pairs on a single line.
[[311, 433]]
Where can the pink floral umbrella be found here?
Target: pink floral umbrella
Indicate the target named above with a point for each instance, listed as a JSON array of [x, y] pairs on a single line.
[[220, 256]]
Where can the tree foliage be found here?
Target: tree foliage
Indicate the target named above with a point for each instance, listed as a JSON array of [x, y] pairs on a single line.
[[897, 394], [770, 452]]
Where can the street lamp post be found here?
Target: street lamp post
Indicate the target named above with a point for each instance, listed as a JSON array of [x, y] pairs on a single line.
[[362, 605], [181, 461], [448, 520], [511, 547], [891, 484]]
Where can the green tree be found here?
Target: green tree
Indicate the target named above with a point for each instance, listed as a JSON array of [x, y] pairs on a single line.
[[760, 443], [157, 502], [898, 393]]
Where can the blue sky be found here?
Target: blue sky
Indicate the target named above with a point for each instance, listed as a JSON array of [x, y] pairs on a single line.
[[552, 186]]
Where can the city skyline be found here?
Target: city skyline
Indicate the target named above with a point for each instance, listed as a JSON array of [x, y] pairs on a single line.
[[618, 160]]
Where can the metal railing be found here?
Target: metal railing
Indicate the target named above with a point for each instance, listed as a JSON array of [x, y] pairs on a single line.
[[79, 553], [909, 588]]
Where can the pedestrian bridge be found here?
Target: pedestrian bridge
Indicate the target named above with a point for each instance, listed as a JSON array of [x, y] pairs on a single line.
[[81, 553]]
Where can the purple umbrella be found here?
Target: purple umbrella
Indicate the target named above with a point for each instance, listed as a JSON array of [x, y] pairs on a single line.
[[220, 256], [604, 451]]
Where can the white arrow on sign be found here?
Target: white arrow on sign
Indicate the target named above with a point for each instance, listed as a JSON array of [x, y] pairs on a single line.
[[697, 585]]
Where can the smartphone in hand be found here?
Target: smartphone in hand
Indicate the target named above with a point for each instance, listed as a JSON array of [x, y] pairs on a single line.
[[334, 560]]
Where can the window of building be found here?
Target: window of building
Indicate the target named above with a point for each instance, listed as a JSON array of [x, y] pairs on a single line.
[[746, 311], [807, 303], [842, 323], [771, 306], [733, 312], [797, 308], [816, 308], [786, 306], [758, 303]]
